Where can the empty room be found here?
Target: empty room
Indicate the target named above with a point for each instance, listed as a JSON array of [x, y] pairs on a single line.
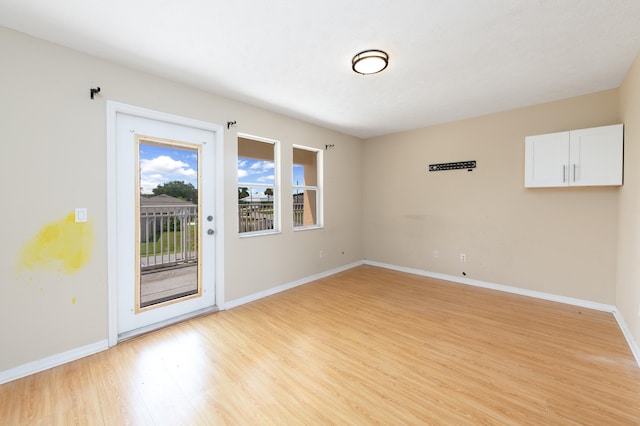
[[340, 212]]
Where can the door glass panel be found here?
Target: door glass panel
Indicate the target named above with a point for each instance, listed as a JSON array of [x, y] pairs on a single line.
[[168, 228]]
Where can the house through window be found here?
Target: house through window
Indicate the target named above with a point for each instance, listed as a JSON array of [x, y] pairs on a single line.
[[257, 185], [307, 211]]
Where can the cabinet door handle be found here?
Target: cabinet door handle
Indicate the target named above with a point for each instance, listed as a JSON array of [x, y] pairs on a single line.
[[574, 172], [564, 173]]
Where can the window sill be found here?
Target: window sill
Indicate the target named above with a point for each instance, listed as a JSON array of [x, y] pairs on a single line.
[[307, 228], [257, 234]]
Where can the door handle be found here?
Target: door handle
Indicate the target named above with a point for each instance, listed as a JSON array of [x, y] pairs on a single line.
[[210, 231]]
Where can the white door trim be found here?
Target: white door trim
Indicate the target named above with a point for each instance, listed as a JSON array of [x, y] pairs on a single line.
[[113, 108]]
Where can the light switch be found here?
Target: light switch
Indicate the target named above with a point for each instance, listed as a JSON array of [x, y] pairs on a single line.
[[81, 215]]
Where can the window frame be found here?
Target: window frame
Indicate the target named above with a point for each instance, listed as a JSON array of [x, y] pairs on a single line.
[[318, 188], [277, 228]]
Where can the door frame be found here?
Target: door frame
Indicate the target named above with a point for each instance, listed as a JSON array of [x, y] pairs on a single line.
[[113, 109]]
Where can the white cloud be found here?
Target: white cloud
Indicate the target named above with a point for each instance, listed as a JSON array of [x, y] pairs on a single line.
[[163, 169], [166, 166], [258, 170], [149, 182], [147, 186], [262, 166], [266, 178]]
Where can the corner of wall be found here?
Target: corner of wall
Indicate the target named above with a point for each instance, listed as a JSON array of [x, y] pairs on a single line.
[[628, 268]]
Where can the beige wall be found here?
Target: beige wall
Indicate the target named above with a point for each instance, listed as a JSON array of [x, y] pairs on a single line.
[[54, 159], [560, 241], [378, 195], [628, 284]]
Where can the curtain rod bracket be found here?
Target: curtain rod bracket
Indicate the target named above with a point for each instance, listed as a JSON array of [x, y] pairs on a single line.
[[94, 91]]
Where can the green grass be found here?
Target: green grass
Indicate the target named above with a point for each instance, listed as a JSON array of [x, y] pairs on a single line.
[[170, 245]]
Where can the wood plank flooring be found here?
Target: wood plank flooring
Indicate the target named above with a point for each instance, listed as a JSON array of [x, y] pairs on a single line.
[[366, 346]]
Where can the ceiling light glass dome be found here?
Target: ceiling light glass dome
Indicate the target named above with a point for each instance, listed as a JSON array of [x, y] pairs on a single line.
[[370, 62]]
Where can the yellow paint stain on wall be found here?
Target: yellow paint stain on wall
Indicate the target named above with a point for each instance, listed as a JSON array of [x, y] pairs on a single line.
[[73, 301], [63, 245]]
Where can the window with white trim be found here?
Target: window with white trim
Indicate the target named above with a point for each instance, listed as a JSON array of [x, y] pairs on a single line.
[[258, 191], [307, 187]]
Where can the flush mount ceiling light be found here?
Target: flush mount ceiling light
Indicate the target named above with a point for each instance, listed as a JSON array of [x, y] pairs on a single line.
[[370, 62]]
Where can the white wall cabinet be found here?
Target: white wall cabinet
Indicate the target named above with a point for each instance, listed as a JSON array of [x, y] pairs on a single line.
[[585, 157]]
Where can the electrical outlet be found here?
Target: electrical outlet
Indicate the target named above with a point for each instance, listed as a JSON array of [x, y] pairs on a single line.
[[463, 257], [321, 254], [436, 253]]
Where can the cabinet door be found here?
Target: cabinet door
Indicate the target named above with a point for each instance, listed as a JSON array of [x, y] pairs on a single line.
[[546, 160], [596, 156]]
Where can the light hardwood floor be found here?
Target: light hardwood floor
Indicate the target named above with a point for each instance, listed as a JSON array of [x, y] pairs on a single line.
[[365, 346]]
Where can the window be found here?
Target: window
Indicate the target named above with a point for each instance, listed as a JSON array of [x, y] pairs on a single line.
[[257, 186], [307, 196]]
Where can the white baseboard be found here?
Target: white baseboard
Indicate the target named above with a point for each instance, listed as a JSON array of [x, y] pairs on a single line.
[[633, 346], [74, 354], [52, 361], [256, 296], [507, 289]]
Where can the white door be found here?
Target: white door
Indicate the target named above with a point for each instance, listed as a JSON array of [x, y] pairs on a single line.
[[165, 244]]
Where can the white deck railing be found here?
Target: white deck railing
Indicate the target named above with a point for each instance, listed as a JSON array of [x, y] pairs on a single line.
[[168, 236], [253, 217]]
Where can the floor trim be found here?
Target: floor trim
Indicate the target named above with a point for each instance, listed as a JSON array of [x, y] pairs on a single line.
[[74, 354], [633, 345], [52, 361], [626, 331], [256, 296]]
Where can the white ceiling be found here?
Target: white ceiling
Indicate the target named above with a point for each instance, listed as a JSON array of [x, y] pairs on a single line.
[[449, 59]]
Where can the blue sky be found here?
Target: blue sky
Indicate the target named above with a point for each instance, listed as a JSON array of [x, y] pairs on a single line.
[[298, 175], [255, 171], [160, 164], [258, 171]]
